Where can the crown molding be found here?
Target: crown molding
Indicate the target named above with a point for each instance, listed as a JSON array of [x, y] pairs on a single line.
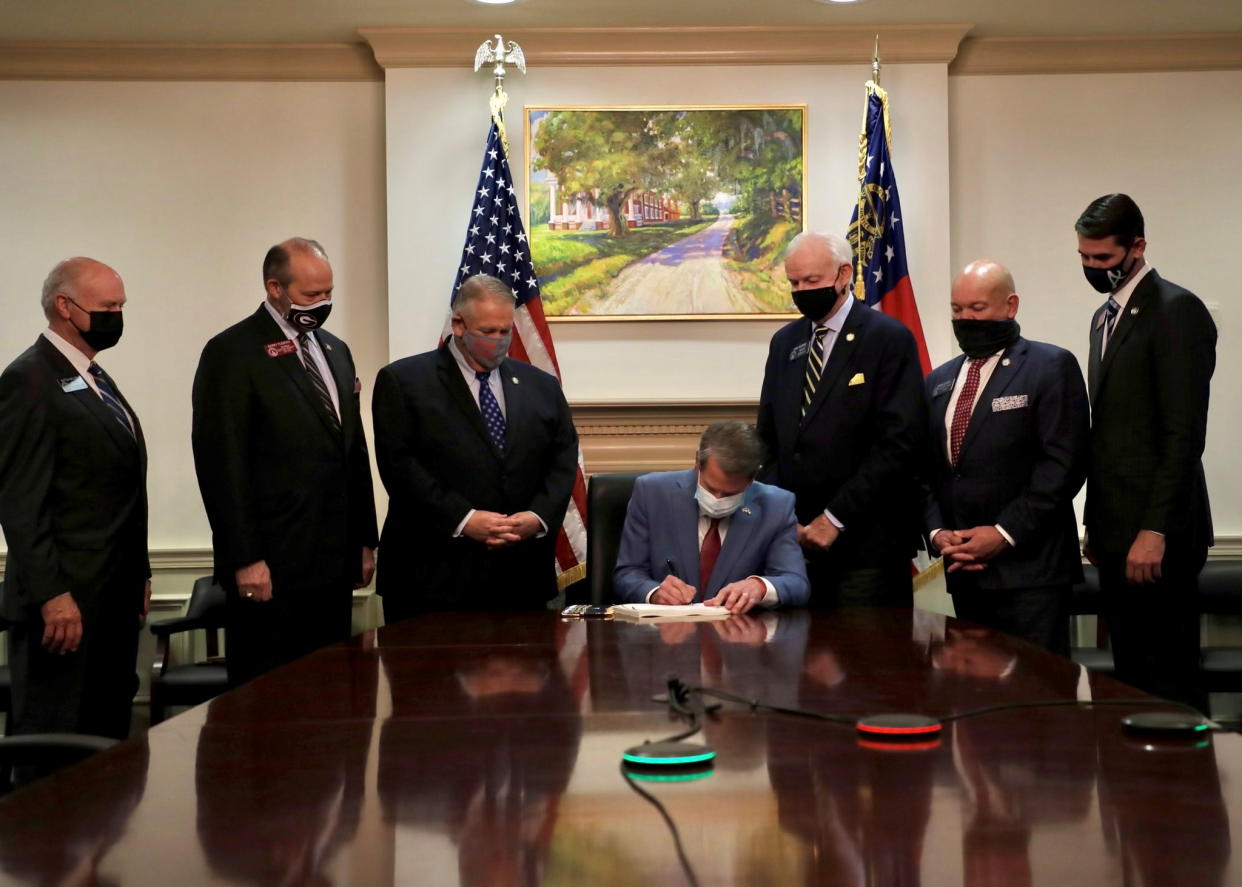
[[1098, 55], [188, 61], [616, 47]]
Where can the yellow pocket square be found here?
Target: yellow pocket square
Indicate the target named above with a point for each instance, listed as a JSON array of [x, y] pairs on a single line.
[[858, 379]]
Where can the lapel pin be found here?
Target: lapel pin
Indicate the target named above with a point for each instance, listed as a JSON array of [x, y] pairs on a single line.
[[514, 380], [1005, 362], [327, 347], [849, 337], [745, 511], [1134, 311]]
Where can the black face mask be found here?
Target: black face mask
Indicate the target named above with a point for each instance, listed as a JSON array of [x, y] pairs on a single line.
[[105, 328], [309, 317], [1105, 280], [815, 304], [983, 338]]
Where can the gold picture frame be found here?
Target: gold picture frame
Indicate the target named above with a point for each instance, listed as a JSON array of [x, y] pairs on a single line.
[[664, 212]]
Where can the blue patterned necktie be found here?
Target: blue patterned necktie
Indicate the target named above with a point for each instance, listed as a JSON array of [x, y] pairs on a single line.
[[107, 393], [493, 418], [1113, 307]]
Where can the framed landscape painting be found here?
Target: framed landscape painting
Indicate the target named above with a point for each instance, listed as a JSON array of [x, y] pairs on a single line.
[[673, 213]]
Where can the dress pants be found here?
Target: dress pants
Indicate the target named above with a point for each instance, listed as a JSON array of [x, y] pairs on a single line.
[[88, 691], [841, 580], [1038, 615], [1154, 629], [261, 635]]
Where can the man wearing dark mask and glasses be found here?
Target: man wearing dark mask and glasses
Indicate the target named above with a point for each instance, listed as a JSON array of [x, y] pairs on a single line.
[[1009, 426], [843, 418], [478, 453], [1153, 351], [283, 468], [73, 505]]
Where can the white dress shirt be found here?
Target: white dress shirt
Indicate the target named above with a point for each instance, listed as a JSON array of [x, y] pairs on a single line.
[[833, 325], [1122, 296], [498, 390], [316, 354], [82, 364], [770, 597], [985, 374]]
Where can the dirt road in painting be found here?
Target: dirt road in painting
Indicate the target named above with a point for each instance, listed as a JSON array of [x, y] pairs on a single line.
[[686, 277]]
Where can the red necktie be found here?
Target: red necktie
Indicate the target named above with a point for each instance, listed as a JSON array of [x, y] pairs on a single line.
[[707, 556], [965, 406]]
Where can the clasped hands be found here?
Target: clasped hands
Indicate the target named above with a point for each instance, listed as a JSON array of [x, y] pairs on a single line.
[[971, 549], [736, 597], [497, 530]]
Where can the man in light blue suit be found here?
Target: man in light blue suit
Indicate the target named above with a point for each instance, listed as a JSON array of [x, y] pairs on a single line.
[[713, 534]]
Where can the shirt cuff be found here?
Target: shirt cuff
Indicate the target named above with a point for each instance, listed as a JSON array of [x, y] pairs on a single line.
[[931, 537], [836, 523], [770, 597], [542, 523], [647, 599], [461, 527], [1008, 538]]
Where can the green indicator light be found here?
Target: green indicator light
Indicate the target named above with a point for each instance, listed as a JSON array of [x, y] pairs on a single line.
[[665, 762], [669, 777]]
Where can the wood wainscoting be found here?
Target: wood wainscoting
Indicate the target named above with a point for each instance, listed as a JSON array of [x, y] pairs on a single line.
[[649, 436]]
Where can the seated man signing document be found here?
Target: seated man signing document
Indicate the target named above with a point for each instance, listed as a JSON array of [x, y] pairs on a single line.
[[712, 534]]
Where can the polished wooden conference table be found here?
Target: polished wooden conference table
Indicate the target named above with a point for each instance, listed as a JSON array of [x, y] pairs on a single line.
[[485, 750]]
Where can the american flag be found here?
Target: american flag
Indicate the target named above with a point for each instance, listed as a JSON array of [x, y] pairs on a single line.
[[496, 244], [881, 277]]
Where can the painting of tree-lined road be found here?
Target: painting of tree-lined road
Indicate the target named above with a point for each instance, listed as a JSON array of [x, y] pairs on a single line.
[[664, 212]]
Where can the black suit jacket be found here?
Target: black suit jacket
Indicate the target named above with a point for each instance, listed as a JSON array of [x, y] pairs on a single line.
[[73, 499], [1149, 402], [279, 482], [856, 451], [438, 462], [1022, 461]]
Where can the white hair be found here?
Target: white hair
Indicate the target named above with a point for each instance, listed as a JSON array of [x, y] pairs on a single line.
[[838, 247]]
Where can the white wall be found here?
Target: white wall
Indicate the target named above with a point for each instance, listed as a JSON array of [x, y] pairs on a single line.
[[1030, 152], [437, 123], [182, 187]]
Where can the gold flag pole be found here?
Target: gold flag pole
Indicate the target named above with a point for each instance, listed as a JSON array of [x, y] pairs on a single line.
[[498, 56]]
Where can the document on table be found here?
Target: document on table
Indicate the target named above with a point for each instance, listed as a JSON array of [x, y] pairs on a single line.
[[668, 613]]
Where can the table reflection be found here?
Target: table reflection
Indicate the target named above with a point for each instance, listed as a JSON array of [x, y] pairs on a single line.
[[487, 768], [61, 834]]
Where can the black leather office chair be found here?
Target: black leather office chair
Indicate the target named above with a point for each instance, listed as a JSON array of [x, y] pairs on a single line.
[[1086, 600], [1220, 594], [608, 496], [194, 682], [38, 754]]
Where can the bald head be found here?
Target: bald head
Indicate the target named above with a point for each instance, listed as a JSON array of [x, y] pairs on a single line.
[[984, 291], [71, 276]]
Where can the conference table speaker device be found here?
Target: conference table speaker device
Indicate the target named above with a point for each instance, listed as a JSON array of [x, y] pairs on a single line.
[[1166, 723], [898, 727], [668, 755]]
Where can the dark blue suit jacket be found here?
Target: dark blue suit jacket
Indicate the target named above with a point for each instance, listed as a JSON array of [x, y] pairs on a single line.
[[858, 448], [1023, 460], [661, 525]]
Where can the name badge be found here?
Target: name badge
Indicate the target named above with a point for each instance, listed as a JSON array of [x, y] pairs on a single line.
[[942, 388], [74, 383], [281, 348], [1013, 402], [800, 351], [857, 379]]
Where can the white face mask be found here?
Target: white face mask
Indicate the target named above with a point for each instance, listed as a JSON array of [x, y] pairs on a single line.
[[717, 508]]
